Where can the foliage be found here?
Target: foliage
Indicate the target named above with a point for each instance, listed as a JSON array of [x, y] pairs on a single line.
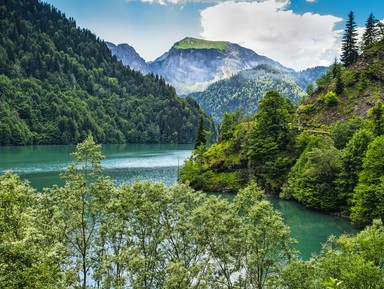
[[201, 139], [331, 99], [223, 167], [377, 118], [349, 41], [147, 235], [371, 32], [352, 165], [346, 262], [261, 149], [343, 131], [29, 258], [368, 202], [312, 179], [81, 204], [229, 123], [271, 140], [58, 82]]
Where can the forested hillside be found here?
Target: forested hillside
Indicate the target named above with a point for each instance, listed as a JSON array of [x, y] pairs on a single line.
[[59, 82], [345, 92], [244, 91], [338, 170]]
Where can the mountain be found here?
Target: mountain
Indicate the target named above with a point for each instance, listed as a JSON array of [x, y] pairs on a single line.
[[310, 75], [244, 90], [359, 88], [192, 64], [58, 83], [128, 56]]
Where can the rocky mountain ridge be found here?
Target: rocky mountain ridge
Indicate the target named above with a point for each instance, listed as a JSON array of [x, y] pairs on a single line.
[[192, 64]]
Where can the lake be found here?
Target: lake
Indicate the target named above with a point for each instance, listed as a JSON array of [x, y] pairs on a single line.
[[125, 163]]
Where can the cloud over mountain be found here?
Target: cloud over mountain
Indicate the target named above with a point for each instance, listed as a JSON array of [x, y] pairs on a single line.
[[268, 27]]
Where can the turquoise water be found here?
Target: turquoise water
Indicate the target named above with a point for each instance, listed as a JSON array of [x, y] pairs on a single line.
[[41, 165]]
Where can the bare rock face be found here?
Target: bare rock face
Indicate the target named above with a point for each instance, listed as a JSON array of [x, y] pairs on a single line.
[[129, 57], [192, 65]]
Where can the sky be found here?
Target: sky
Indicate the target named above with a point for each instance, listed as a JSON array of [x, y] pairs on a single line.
[[297, 33]]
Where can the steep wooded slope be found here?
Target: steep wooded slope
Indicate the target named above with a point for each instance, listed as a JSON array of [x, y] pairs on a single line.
[[59, 82]]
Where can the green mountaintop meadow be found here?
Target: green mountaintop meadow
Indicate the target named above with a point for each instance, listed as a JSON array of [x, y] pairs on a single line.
[[194, 43]]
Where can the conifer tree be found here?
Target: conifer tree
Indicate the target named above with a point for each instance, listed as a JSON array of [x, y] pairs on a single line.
[[371, 32], [201, 138], [349, 42]]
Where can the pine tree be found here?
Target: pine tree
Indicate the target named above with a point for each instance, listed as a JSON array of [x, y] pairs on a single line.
[[201, 138], [349, 42], [371, 32]]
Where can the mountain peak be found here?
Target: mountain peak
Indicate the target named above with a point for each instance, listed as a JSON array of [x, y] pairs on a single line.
[[128, 56], [194, 43]]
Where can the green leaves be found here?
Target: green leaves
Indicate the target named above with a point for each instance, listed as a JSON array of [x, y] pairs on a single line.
[[368, 199], [313, 177], [29, 258], [271, 141]]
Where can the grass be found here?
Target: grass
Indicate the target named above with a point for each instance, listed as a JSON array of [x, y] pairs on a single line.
[[193, 43]]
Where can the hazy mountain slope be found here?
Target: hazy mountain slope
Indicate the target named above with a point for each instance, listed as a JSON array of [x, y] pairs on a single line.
[[309, 75], [244, 90]]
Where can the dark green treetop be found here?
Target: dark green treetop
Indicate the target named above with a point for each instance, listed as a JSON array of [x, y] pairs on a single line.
[[371, 32], [201, 138], [349, 42]]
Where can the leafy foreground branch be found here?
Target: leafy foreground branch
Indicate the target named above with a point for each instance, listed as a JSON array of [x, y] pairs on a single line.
[[91, 234]]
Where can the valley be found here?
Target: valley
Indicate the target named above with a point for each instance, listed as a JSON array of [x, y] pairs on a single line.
[[221, 163]]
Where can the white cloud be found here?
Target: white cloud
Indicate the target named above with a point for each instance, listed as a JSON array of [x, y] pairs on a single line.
[[312, 1], [165, 2], [270, 29]]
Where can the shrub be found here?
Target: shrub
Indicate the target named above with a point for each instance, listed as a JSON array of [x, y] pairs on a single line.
[[331, 99]]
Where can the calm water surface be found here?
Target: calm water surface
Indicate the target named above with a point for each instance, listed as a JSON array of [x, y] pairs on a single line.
[[126, 163], [41, 165]]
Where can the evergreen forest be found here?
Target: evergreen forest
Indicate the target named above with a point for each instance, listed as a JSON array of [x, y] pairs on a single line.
[[59, 82]]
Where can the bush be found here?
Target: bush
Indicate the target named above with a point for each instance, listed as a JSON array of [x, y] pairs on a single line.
[[331, 99]]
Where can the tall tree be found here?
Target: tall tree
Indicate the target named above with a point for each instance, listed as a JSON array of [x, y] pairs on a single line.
[[349, 42], [371, 32], [352, 165], [82, 202], [313, 177], [201, 138], [271, 138], [368, 199]]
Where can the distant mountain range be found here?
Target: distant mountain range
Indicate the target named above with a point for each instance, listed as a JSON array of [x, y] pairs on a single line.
[[221, 76], [192, 64]]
